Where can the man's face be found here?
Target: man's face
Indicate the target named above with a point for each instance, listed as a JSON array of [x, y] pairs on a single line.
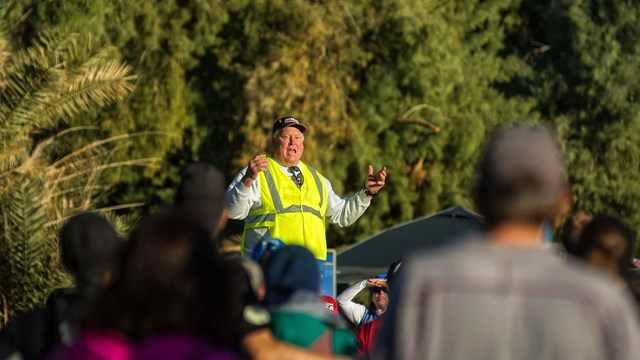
[[380, 298], [289, 146]]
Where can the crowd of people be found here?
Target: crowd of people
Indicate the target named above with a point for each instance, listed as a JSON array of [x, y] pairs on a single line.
[[168, 292]]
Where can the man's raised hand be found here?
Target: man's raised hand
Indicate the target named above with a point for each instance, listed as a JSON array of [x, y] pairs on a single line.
[[375, 182], [377, 282], [256, 165]]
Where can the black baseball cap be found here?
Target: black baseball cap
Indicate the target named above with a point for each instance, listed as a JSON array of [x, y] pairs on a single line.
[[287, 121]]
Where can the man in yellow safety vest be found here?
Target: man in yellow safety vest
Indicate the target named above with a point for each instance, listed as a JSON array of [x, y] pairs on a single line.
[[280, 196]]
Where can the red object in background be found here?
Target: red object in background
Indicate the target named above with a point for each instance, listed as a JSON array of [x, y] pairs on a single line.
[[330, 303], [367, 336]]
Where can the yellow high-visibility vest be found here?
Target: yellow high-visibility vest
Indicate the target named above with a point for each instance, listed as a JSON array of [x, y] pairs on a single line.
[[294, 215]]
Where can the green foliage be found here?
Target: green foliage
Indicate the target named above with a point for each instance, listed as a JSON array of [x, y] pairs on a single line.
[[401, 84], [429, 99], [44, 176], [585, 58], [415, 86], [161, 39]]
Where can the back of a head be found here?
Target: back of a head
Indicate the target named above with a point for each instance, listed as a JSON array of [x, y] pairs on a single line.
[[201, 194], [572, 228], [607, 242], [88, 245], [522, 177], [290, 269], [161, 280]]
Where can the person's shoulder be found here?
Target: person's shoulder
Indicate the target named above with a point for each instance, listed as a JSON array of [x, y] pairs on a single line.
[[460, 249], [592, 280], [291, 319]]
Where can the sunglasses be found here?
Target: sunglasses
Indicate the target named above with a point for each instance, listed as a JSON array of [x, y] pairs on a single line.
[[380, 289]]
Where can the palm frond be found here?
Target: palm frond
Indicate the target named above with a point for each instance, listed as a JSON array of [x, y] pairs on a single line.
[[44, 181], [100, 85], [57, 78], [11, 156], [4, 58], [103, 142], [27, 255], [106, 211], [24, 92], [144, 162]]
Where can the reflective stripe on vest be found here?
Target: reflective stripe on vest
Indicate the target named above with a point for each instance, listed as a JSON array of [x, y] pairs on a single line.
[[282, 200]]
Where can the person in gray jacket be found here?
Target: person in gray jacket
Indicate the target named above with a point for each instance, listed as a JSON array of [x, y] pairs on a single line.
[[499, 295]]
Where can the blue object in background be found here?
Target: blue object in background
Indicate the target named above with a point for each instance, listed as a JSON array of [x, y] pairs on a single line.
[[328, 274], [267, 244], [547, 233]]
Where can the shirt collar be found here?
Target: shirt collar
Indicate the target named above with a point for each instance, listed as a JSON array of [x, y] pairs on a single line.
[[284, 168]]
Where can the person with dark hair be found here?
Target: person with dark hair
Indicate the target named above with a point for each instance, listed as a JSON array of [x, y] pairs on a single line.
[[368, 332], [282, 197], [200, 194], [500, 295], [161, 302], [606, 243], [572, 229], [200, 197], [359, 314], [88, 244], [298, 315]]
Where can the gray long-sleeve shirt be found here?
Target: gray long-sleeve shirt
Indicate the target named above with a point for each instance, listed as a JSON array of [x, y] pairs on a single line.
[[241, 199], [483, 301]]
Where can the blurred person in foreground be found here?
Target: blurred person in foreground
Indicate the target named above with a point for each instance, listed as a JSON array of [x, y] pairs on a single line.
[[606, 243], [500, 295], [88, 245], [298, 315], [200, 195], [359, 314], [161, 303], [282, 197]]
